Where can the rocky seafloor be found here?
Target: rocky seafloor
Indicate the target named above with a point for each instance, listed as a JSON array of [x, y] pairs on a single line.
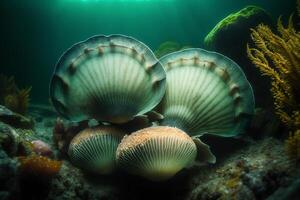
[[247, 168]]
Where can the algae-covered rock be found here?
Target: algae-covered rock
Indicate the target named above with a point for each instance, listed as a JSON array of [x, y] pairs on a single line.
[[235, 28], [169, 47], [230, 37], [256, 172]]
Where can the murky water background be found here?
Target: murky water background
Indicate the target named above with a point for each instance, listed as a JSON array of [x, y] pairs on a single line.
[[34, 33]]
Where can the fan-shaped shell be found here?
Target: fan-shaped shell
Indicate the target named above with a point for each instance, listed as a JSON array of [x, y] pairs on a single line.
[[156, 153], [206, 93], [109, 78], [94, 149]]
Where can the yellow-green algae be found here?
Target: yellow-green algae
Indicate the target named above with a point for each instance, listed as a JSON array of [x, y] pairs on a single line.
[[232, 19]]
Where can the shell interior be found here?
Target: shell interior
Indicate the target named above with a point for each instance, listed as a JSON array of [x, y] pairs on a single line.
[[206, 93], [94, 149], [110, 78]]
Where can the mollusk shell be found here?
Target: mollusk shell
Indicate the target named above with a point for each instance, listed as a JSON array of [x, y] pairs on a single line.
[[94, 149], [156, 153], [110, 78], [206, 93]]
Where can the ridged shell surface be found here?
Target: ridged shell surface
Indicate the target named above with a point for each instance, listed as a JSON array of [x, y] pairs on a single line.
[[206, 93], [156, 153], [110, 78], [94, 149]]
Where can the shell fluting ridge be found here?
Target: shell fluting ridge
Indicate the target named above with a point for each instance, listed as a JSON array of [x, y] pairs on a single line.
[[156, 153], [206, 93], [94, 149], [110, 78]]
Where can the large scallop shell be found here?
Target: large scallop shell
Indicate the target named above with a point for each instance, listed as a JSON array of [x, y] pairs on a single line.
[[156, 153], [110, 78], [206, 93], [94, 149]]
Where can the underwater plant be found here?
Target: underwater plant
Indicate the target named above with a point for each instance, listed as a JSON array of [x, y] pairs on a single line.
[[118, 81], [12, 97], [278, 56], [94, 149]]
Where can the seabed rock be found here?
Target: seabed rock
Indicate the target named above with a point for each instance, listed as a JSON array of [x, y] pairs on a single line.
[[14, 119], [8, 176], [223, 39], [256, 172]]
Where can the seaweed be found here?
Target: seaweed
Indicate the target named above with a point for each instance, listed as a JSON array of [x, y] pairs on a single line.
[[12, 97], [277, 55]]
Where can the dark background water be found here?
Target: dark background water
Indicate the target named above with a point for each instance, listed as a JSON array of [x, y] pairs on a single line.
[[34, 33]]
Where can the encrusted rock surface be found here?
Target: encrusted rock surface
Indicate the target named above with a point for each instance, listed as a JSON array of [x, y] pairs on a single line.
[[252, 173], [245, 170]]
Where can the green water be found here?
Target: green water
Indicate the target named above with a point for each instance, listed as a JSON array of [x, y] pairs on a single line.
[[34, 33]]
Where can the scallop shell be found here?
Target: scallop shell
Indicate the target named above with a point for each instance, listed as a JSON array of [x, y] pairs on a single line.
[[156, 153], [206, 93], [94, 149], [110, 78]]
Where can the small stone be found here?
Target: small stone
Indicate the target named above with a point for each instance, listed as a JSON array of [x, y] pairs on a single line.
[[14, 119], [41, 148]]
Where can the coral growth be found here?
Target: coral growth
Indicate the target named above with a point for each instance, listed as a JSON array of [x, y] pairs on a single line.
[[36, 165], [278, 56], [12, 97]]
